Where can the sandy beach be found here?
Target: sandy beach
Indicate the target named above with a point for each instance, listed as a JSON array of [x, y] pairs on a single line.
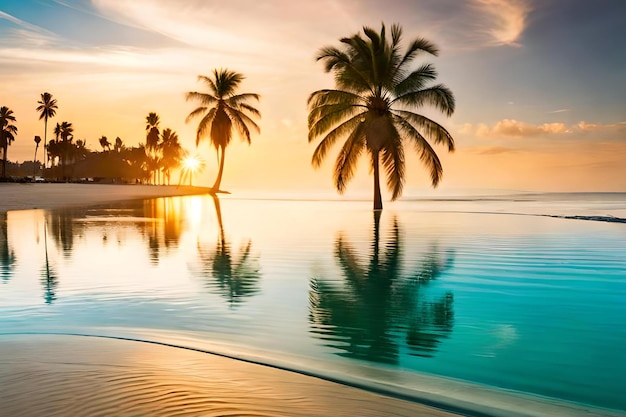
[[48, 196], [84, 376]]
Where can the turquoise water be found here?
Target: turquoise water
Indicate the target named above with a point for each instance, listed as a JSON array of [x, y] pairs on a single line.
[[485, 291]]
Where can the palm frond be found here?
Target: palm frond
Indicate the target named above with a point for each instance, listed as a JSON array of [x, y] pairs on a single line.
[[416, 80], [329, 140], [426, 153], [198, 111], [204, 98], [346, 163], [438, 96], [393, 161], [205, 124], [324, 118], [432, 130]]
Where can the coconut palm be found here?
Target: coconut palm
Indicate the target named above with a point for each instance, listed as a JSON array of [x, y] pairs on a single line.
[[371, 107], [173, 153], [152, 143], [104, 142], [7, 134], [119, 145], [65, 131], [47, 109], [37, 142], [222, 109]]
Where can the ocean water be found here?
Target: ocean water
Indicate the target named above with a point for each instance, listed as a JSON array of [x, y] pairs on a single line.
[[520, 294]]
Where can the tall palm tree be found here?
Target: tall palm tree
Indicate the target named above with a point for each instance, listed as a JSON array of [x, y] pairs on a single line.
[[152, 142], [172, 152], [47, 109], [222, 109], [7, 134], [66, 131], [37, 142], [376, 91]]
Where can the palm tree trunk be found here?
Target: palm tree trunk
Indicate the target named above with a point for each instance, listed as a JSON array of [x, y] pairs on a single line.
[[218, 180], [35, 161], [45, 135], [4, 160], [378, 202]]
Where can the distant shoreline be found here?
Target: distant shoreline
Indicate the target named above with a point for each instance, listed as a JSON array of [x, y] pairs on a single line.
[[15, 196]]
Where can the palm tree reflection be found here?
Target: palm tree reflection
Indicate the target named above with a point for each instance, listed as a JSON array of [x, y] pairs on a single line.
[[378, 305], [233, 278], [7, 255]]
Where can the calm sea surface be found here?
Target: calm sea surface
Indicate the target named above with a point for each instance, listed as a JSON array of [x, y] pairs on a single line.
[[488, 291]]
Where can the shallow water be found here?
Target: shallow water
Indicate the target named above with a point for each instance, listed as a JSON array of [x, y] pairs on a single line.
[[457, 289]]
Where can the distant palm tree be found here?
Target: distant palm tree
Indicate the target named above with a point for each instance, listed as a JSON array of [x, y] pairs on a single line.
[[222, 109], [37, 142], [7, 134], [119, 145], [66, 131], [104, 142], [47, 109], [172, 152], [370, 108], [152, 143]]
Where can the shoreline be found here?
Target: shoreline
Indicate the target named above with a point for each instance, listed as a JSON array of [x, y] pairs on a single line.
[[79, 376], [17, 196]]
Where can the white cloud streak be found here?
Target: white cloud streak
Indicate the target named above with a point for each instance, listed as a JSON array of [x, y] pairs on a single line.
[[506, 19]]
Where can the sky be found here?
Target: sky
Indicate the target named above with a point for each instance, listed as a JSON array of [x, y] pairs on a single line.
[[540, 85]]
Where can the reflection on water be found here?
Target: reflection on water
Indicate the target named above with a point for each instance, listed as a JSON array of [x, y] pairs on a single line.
[[233, 277], [7, 255], [378, 304], [495, 299]]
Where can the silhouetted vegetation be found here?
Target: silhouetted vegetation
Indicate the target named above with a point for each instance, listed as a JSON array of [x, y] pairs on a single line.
[[379, 303], [47, 109], [375, 87], [220, 110], [7, 134]]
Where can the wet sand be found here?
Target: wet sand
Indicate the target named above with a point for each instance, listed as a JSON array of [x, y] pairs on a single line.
[[48, 196], [81, 376]]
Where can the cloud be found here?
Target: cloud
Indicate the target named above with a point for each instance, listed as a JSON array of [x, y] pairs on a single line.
[[517, 129], [493, 150], [505, 19], [27, 33]]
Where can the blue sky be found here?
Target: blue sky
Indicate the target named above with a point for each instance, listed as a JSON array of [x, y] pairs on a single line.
[[540, 85]]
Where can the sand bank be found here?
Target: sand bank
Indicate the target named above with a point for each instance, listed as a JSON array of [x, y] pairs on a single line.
[[48, 196], [80, 376]]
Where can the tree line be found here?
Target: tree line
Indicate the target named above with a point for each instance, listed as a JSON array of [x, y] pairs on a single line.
[[373, 108]]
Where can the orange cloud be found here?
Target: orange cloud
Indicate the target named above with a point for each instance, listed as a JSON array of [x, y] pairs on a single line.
[[518, 129]]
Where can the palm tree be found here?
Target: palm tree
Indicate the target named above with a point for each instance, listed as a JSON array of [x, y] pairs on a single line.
[[172, 152], [47, 109], [370, 107], [37, 142], [7, 134], [152, 142], [119, 145], [222, 109], [104, 142], [66, 131]]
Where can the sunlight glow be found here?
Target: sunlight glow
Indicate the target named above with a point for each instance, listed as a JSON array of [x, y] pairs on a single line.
[[191, 163]]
